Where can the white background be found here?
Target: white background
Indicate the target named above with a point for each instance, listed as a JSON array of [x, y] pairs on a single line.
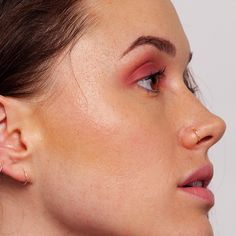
[[211, 28]]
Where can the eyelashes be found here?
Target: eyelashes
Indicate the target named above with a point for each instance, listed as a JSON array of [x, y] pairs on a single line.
[[190, 82], [151, 82]]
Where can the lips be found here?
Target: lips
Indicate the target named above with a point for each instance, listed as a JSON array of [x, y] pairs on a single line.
[[196, 184]]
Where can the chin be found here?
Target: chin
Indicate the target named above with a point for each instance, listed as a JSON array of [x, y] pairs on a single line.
[[189, 227], [200, 227]]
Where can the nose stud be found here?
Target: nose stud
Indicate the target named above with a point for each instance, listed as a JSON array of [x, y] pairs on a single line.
[[196, 134]]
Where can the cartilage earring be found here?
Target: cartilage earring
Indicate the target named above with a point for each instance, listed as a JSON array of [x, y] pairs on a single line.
[[196, 134]]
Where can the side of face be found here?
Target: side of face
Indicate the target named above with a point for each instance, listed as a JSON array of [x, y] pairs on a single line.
[[111, 155]]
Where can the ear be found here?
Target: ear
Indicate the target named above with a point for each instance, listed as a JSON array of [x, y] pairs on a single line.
[[14, 153]]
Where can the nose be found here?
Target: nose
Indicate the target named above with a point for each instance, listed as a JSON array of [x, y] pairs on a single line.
[[204, 130]]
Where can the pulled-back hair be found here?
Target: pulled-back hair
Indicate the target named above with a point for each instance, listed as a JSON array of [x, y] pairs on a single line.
[[32, 33]]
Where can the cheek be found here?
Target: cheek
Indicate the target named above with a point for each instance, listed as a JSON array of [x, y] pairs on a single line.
[[103, 160]]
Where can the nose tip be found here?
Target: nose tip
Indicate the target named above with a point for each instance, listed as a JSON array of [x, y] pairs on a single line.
[[220, 128]]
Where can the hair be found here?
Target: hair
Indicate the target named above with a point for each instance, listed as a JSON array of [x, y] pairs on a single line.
[[32, 33]]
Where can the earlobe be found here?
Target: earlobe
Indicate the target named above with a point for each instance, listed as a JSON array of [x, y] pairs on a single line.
[[13, 151]]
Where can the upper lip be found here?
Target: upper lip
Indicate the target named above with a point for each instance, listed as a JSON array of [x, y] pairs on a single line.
[[203, 174]]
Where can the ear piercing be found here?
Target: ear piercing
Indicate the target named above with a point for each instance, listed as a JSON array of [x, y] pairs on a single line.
[[196, 134], [27, 179], [1, 167]]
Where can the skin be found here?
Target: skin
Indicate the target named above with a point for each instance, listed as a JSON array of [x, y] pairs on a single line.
[[104, 156]]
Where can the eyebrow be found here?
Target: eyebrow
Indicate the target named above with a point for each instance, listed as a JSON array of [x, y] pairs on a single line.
[[161, 44]]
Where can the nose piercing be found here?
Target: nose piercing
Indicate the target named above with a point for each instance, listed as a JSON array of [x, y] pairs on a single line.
[[196, 134]]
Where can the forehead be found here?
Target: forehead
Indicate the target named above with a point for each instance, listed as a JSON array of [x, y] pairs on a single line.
[[121, 22]]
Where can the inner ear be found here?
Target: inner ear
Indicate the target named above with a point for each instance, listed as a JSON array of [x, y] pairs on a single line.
[[15, 142], [11, 140]]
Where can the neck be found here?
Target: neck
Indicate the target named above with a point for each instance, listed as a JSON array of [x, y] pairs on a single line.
[[23, 213]]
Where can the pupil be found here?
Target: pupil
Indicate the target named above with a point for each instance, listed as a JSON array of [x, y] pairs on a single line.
[[154, 81]]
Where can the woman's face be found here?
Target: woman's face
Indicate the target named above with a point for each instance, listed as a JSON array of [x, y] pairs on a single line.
[[112, 155]]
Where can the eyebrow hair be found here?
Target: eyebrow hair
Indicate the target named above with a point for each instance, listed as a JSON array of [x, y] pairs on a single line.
[[161, 44]]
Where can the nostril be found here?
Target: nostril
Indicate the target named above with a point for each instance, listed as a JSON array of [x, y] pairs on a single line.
[[190, 137], [205, 139]]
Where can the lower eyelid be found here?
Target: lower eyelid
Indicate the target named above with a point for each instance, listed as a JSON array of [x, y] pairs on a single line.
[[148, 92]]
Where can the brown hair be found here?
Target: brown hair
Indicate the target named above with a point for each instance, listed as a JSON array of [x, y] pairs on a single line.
[[32, 32]]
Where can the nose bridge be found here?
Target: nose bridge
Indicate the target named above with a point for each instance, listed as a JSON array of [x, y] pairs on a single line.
[[199, 126]]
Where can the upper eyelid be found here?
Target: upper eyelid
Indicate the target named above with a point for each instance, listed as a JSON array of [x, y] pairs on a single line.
[[143, 71], [131, 65], [139, 57]]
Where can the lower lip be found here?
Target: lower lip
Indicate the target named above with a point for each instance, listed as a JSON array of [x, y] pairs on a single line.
[[202, 193]]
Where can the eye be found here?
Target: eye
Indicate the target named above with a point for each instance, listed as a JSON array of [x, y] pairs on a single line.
[[190, 82], [151, 82]]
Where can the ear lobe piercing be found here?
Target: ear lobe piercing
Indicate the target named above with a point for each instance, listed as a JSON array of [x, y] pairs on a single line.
[[196, 134], [1, 167], [27, 179]]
